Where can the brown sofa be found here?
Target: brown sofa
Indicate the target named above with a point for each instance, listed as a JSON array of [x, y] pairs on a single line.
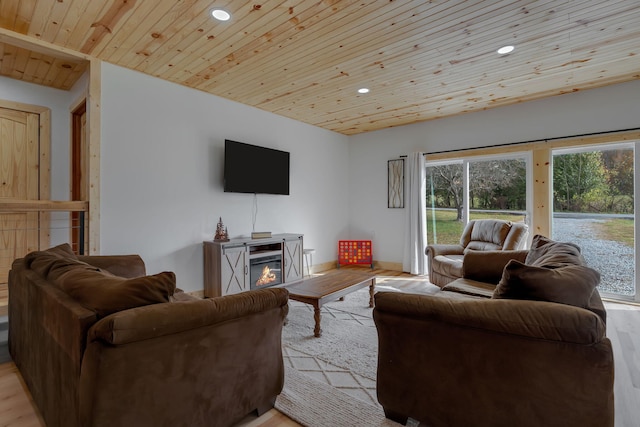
[[445, 261], [526, 350], [97, 349]]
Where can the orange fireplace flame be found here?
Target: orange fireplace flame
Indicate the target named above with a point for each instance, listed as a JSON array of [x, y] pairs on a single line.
[[266, 277]]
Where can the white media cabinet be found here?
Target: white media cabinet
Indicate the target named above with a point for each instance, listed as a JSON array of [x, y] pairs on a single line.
[[228, 265]]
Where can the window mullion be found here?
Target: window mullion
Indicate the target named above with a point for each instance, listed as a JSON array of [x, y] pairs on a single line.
[[465, 191]]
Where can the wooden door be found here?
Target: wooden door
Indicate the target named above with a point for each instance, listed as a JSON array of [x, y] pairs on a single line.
[[19, 179]]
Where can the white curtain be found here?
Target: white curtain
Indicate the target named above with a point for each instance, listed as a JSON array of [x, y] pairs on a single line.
[[415, 233]]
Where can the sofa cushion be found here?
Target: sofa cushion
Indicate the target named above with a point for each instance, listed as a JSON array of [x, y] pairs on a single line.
[[106, 293], [548, 253], [486, 235], [569, 284], [448, 265], [470, 287], [43, 261]]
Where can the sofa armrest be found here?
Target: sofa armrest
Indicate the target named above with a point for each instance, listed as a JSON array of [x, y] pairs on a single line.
[[157, 320], [435, 250], [188, 363], [128, 266], [487, 266]]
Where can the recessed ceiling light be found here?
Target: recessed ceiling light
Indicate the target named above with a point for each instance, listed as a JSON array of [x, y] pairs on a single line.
[[363, 90], [220, 15], [505, 49]]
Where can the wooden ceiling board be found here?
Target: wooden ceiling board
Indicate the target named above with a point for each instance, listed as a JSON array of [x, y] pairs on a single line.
[[256, 56], [7, 60], [337, 45], [23, 17], [55, 21], [131, 29], [156, 43], [304, 59], [203, 39], [325, 64], [171, 50], [77, 23], [406, 51], [38, 19], [242, 44]]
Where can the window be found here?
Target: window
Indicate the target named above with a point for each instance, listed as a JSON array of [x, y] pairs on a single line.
[[580, 189], [593, 206], [463, 189]]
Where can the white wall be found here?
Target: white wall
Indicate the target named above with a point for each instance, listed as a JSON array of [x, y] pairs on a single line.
[[604, 109], [162, 154]]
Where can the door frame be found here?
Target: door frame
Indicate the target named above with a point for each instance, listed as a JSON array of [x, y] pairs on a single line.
[[78, 179]]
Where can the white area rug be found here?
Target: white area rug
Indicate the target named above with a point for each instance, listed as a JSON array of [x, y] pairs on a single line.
[[315, 404], [330, 380], [349, 338]]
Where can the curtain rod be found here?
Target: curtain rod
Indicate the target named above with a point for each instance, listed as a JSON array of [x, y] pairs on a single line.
[[536, 140]]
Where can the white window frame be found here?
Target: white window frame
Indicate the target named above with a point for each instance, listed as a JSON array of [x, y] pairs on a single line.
[[466, 160]]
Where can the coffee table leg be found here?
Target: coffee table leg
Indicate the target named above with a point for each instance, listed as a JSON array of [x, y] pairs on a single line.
[[316, 315], [372, 290]]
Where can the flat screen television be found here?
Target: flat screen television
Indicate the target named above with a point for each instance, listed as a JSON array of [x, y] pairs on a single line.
[[253, 169]]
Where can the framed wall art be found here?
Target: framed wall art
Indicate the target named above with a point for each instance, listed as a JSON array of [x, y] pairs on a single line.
[[395, 177]]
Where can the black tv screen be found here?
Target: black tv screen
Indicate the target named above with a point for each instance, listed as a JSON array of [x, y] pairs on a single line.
[[253, 169]]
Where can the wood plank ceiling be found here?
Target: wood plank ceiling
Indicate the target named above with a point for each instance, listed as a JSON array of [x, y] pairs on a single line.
[[305, 59]]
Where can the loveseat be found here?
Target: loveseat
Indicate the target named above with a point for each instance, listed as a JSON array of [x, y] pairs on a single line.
[[519, 341], [445, 260], [98, 343]]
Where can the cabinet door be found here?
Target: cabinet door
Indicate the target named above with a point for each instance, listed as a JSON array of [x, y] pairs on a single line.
[[234, 271], [292, 260]]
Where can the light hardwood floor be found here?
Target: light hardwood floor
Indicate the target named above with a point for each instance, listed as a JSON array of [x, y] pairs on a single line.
[[623, 328]]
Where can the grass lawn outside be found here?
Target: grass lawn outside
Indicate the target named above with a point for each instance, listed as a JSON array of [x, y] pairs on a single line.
[[617, 230], [449, 230]]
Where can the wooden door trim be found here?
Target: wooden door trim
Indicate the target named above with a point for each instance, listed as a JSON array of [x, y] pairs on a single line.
[[93, 140], [78, 175]]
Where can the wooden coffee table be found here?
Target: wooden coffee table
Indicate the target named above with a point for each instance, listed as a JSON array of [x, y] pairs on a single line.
[[319, 290]]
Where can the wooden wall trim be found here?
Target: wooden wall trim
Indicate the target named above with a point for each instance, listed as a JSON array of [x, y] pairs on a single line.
[[542, 214], [11, 205], [40, 46], [93, 117], [30, 108]]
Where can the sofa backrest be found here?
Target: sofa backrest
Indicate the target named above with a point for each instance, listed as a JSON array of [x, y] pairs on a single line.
[[517, 237], [493, 235]]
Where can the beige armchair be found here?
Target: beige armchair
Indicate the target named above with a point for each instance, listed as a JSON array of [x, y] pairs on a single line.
[[446, 261]]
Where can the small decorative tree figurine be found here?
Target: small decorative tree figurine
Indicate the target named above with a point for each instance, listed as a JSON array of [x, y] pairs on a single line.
[[222, 235]]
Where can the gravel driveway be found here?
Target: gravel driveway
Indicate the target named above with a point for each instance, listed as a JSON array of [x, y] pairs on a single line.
[[613, 260]]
